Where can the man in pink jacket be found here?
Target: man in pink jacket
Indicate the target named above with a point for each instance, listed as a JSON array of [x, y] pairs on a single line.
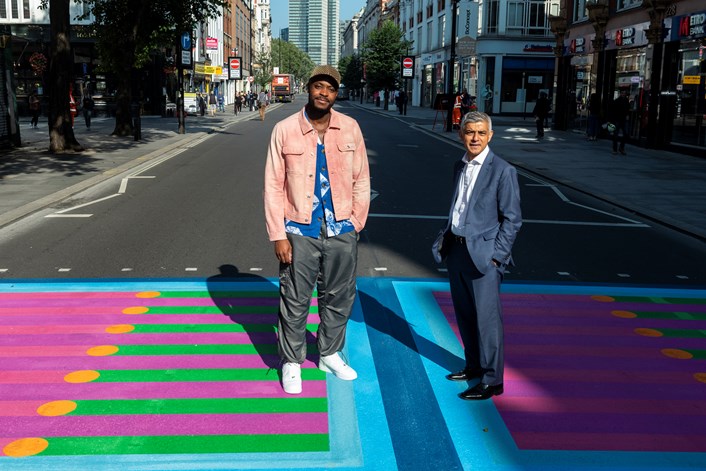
[[317, 197]]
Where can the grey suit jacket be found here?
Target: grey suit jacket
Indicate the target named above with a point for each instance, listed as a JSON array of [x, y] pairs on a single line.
[[494, 215]]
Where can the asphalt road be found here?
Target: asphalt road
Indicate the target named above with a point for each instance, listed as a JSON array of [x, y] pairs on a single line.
[[198, 213]]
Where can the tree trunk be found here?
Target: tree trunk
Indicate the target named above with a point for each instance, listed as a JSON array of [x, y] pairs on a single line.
[[123, 119], [61, 132]]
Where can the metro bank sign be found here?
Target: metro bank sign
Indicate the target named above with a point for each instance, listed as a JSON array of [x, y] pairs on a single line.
[[692, 26]]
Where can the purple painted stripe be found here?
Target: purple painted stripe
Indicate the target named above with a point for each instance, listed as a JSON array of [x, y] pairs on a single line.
[[622, 442], [226, 389], [561, 389], [601, 375], [520, 362], [599, 341], [548, 404], [143, 339], [588, 351], [597, 422], [143, 362], [607, 321], [196, 424]]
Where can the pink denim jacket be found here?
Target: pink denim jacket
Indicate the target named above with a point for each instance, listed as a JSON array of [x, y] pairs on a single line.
[[290, 172]]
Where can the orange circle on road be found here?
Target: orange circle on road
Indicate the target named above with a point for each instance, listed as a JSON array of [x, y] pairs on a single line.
[[136, 310], [120, 329], [624, 314], [649, 332], [701, 377], [25, 447], [603, 299], [148, 294], [677, 354], [56, 408], [102, 351], [82, 376]]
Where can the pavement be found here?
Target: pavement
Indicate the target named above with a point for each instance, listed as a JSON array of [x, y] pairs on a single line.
[[665, 187]]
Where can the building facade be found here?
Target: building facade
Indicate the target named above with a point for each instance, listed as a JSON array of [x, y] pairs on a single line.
[[314, 29]]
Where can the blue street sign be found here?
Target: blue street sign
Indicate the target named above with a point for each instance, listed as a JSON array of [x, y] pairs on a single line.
[[186, 41]]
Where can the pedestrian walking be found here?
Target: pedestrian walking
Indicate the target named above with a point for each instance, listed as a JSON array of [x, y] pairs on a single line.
[[212, 104], [594, 116], [314, 223], [88, 106], [403, 102], [35, 106], [619, 112], [262, 101], [202, 104], [540, 113], [221, 103], [484, 220]]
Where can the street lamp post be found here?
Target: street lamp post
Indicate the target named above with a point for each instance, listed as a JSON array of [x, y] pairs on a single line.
[[558, 26], [598, 15], [655, 35], [450, 70]]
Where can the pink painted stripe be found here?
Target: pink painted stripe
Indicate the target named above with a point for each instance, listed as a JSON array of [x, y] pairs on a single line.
[[188, 424], [110, 303], [149, 339], [537, 440], [110, 319], [216, 389], [52, 329], [43, 351], [156, 362], [20, 408], [69, 295], [32, 377], [558, 405]]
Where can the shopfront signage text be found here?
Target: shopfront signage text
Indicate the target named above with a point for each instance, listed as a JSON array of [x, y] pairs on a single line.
[[694, 25], [578, 46], [625, 37], [691, 80], [537, 48]]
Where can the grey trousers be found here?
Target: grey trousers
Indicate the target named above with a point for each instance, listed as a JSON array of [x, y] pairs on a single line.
[[329, 263]]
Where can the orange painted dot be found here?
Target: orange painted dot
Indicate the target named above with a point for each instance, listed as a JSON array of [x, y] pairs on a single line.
[[82, 376], [25, 447], [149, 294], [102, 351], [677, 354], [603, 299], [701, 377], [120, 329], [649, 332], [56, 408], [136, 310], [624, 314]]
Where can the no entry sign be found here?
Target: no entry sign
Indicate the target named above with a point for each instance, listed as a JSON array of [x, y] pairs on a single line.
[[234, 70], [407, 69]]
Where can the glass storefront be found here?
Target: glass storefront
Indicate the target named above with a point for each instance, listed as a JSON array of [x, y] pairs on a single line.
[[523, 79], [690, 107], [630, 74]]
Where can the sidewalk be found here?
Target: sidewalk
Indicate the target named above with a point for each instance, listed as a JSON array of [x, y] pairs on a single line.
[[666, 187]]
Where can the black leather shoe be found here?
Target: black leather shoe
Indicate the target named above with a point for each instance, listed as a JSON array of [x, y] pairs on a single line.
[[464, 375], [481, 391]]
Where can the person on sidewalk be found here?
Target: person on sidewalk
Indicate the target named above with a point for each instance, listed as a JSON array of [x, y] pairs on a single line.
[[594, 116], [314, 216], [34, 108], [262, 102], [88, 105], [540, 113], [620, 111], [484, 220]]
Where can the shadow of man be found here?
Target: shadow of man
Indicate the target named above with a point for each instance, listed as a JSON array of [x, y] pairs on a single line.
[[252, 302]]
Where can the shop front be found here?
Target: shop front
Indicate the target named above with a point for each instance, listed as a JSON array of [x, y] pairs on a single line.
[[581, 81]]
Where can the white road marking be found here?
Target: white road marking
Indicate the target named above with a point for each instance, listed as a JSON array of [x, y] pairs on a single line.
[[64, 270], [191, 269], [563, 273], [623, 275], [73, 208], [126, 269], [255, 269], [380, 269], [682, 277], [123, 183], [4, 270], [68, 215]]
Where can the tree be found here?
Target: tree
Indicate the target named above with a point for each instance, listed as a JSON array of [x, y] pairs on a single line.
[[381, 55], [351, 69], [263, 70], [61, 132], [291, 60]]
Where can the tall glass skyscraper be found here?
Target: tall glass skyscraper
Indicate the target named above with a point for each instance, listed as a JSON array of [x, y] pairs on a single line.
[[313, 28]]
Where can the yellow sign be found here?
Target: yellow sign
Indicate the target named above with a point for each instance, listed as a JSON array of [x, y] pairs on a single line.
[[199, 69], [691, 80], [213, 69]]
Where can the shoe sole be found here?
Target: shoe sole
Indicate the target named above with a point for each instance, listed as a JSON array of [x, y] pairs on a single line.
[[326, 369]]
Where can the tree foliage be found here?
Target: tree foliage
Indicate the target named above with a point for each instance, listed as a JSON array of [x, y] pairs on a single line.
[[381, 54], [291, 60], [351, 69]]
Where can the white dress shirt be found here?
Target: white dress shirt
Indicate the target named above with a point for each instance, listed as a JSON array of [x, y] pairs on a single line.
[[464, 189]]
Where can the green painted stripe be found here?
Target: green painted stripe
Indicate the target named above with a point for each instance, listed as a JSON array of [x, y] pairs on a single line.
[[683, 333], [210, 328], [698, 354], [208, 349], [219, 310], [686, 316], [201, 406], [206, 374], [159, 445], [658, 300], [223, 294]]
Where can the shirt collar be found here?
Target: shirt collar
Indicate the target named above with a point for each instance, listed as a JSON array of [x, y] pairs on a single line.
[[480, 158]]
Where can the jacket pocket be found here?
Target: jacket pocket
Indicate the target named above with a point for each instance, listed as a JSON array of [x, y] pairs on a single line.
[[295, 162]]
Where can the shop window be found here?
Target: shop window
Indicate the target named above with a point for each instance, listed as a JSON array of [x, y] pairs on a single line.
[[628, 4]]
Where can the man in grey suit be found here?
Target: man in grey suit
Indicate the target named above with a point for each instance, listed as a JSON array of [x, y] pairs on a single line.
[[484, 220]]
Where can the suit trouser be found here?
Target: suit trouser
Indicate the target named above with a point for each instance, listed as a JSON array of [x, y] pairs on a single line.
[[330, 264], [476, 300]]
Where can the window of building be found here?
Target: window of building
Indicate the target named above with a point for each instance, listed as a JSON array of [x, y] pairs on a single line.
[[419, 41], [15, 9], [530, 18], [580, 11], [429, 36], [25, 9], [491, 16], [628, 4], [442, 31], [3, 9]]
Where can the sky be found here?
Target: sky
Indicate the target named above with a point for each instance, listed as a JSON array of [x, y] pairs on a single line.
[[279, 9]]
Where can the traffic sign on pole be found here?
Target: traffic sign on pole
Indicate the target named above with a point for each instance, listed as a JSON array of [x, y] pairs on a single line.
[[234, 70], [407, 69], [185, 41]]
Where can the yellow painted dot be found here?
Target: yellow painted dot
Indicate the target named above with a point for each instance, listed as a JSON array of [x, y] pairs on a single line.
[[102, 351], [701, 377], [136, 310], [149, 294], [677, 354], [120, 329], [83, 376], [56, 408], [649, 332], [25, 447], [603, 299], [624, 314]]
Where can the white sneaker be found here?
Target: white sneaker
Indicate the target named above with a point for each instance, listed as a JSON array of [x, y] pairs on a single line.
[[292, 378], [334, 364]]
